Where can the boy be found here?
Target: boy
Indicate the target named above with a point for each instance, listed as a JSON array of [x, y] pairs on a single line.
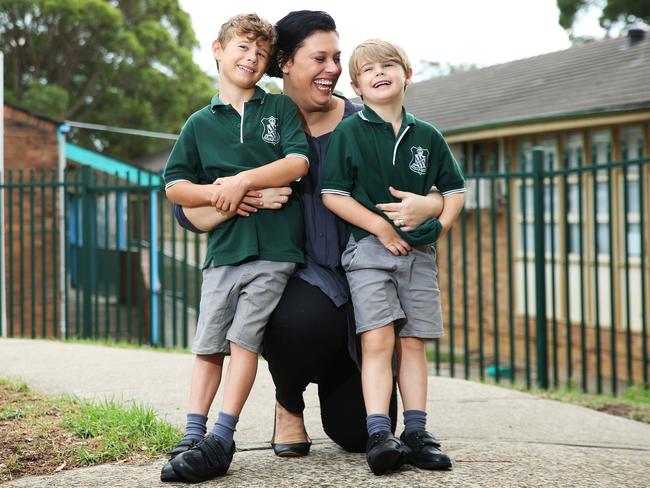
[[391, 270], [245, 139]]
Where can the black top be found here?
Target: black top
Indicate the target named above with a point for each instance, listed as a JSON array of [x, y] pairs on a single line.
[[325, 233]]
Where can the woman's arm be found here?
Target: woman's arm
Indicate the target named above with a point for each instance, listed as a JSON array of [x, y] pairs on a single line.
[[412, 208], [206, 218], [353, 212]]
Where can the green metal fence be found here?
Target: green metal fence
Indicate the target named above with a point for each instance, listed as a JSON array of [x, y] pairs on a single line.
[[96, 256], [544, 277]]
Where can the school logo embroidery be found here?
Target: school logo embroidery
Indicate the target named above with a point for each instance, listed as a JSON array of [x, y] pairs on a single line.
[[419, 158], [270, 131]]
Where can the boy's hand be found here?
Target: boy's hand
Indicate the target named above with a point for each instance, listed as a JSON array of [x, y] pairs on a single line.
[[413, 209], [392, 240], [229, 193]]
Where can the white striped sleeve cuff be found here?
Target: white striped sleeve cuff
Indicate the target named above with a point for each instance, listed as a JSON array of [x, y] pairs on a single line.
[[335, 192], [457, 190], [172, 183]]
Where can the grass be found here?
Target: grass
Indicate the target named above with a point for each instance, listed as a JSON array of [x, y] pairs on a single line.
[[634, 404], [41, 434], [120, 430]]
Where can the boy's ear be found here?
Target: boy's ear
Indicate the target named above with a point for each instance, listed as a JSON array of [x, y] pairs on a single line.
[[356, 89], [409, 75], [217, 49]]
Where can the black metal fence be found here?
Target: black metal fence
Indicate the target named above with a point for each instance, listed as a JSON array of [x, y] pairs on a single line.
[[544, 278]]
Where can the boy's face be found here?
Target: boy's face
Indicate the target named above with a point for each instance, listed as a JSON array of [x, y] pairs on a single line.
[[381, 82], [242, 61]]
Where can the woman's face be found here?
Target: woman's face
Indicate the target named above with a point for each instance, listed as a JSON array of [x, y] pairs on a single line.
[[310, 76]]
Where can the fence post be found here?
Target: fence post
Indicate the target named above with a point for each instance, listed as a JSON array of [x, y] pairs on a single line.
[[540, 271], [85, 254]]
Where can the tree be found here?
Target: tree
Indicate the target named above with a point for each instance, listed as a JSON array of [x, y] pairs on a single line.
[[614, 12], [433, 69], [121, 62]]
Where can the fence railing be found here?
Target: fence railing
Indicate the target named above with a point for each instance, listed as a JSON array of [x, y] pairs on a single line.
[[544, 277], [122, 270]]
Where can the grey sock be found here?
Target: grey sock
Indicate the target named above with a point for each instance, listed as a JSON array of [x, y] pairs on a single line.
[[377, 422], [414, 420], [224, 429], [195, 426]]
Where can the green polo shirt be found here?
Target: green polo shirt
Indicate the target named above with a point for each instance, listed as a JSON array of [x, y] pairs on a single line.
[[215, 142], [364, 158]]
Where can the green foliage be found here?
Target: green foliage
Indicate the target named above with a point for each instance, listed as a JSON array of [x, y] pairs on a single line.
[[123, 62], [613, 11], [119, 430]]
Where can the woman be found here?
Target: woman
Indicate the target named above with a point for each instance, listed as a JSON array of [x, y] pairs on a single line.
[[310, 336]]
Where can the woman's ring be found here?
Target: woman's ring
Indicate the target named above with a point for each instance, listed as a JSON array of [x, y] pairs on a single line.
[[400, 223]]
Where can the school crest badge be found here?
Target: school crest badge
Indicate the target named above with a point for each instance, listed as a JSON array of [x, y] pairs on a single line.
[[270, 130], [419, 160]]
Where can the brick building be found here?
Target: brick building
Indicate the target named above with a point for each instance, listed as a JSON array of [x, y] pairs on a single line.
[[31, 154], [585, 106]]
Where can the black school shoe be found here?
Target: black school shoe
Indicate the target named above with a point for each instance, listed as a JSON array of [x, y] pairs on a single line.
[[207, 460], [384, 451], [184, 445], [424, 450]]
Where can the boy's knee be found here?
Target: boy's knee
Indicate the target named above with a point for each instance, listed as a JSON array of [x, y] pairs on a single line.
[[412, 344], [378, 341], [216, 359]]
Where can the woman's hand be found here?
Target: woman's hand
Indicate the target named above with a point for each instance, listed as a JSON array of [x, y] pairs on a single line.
[[413, 209], [269, 198]]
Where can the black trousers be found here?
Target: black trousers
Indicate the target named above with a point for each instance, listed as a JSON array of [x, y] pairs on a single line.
[[306, 340]]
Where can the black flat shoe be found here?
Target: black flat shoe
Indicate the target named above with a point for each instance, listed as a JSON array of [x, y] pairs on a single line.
[[296, 449], [424, 451], [289, 450]]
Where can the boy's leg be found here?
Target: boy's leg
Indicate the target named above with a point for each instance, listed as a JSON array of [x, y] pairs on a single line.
[[384, 450], [377, 347], [412, 372], [419, 287], [206, 376]]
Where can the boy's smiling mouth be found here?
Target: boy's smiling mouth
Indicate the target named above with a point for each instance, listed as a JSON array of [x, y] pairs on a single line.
[[247, 69], [381, 83]]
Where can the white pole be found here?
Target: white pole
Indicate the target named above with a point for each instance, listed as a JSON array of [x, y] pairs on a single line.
[[3, 258], [63, 130]]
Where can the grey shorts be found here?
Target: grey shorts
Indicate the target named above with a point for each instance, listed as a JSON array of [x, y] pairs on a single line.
[[236, 303], [387, 288]]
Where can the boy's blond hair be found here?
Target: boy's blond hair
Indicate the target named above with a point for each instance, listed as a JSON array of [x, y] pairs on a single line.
[[250, 26], [379, 51]]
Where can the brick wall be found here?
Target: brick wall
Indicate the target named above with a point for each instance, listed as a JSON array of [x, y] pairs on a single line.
[[30, 143]]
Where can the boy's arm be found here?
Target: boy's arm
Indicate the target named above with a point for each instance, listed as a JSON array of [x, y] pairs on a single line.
[[231, 189], [453, 205], [188, 194], [353, 212]]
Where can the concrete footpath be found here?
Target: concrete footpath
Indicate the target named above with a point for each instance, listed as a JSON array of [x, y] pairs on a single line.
[[496, 437]]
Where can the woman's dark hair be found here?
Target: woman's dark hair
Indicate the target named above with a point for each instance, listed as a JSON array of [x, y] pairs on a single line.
[[292, 30]]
